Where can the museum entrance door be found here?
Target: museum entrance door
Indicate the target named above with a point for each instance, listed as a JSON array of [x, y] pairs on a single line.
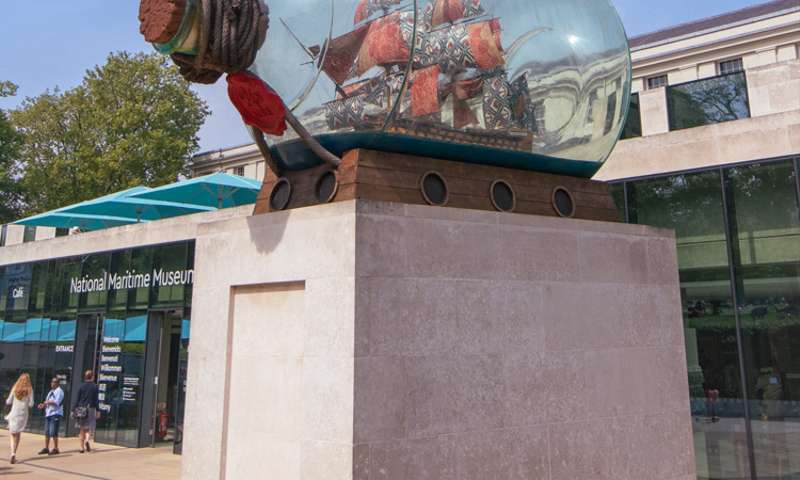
[[163, 390], [87, 348]]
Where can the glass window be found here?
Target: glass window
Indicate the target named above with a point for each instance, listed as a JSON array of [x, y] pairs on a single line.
[[611, 112], [3, 233], [62, 232], [692, 205], [95, 269], [141, 264], [14, 330], [62, 297], [617, 191], [29, 234], [657, 82], [38, 293], [120, 268], [18, 286], [633, 124], [765, 223], [730, 66], [183, 363], [238, 171], [712, 100], [3, 292], [168, 289]]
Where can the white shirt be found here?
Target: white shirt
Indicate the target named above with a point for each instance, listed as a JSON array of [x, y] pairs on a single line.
[[56, 395]]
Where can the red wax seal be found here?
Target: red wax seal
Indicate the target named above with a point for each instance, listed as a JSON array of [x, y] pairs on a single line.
[[258, 104]]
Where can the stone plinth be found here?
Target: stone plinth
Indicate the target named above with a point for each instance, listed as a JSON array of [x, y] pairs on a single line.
[[364, 340]]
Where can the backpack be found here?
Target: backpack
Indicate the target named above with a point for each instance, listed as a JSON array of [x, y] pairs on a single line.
[[80, 412]]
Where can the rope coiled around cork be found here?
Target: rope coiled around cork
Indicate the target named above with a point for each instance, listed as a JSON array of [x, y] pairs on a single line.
[[231, 33]]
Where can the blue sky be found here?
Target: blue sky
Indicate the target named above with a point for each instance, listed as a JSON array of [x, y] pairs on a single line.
[[51, 43]]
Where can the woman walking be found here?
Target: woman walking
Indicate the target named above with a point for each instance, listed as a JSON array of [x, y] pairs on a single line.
[[21, 401], [85, 412]]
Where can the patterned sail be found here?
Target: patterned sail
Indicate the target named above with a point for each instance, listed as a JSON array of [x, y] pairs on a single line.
[[467, 45], [441, 12], [367, 8], [388, 42]]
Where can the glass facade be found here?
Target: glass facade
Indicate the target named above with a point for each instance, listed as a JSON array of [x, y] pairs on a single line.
[[63, 316], [711, 100], [738, 242], [633, 124], [29, 234]]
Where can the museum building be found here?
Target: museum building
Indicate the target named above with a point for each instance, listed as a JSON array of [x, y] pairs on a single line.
[[124, 314], [711, 149]]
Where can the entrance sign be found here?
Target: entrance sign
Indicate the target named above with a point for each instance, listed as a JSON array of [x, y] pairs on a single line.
[[131, 279]]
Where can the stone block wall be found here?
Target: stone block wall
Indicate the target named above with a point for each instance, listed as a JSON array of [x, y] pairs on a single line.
[[516, 347]]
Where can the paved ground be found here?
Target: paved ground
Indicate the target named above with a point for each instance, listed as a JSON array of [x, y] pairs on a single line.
[[106, 462]]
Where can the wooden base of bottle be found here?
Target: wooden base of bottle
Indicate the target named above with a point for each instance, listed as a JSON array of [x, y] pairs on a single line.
[[398, 178]]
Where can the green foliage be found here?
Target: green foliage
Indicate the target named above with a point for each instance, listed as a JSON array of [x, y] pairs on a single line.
[[132, 121], [10, 191], [7, 89]]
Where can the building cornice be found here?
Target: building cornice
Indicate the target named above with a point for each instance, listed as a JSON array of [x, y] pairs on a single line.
[[785, 33], [714, 29]]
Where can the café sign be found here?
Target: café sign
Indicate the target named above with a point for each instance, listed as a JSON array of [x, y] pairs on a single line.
[[131, 279]]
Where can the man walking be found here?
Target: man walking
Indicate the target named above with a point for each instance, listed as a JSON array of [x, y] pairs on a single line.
[[53, 413]]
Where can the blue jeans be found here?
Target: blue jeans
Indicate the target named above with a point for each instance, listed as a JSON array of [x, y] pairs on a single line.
[[51, 426]]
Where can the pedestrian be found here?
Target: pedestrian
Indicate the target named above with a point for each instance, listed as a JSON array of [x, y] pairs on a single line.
[[86, 410], [53, 413], [21, 401]]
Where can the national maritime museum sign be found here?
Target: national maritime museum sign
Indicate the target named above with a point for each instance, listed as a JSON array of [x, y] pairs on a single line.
[[131, 279]]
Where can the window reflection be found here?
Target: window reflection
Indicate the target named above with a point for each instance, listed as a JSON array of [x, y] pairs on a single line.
[[617, 191], [712, 100], [765, 224], [692, 205], [633, 124]]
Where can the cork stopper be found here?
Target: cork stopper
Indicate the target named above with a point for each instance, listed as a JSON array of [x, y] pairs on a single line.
[[160, 20]]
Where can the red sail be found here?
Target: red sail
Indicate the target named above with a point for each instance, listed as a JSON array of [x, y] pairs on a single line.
[[486, 44], [367, 8], [388, 42], [384, 41], [425, 92], [341, 53], [449, 11]]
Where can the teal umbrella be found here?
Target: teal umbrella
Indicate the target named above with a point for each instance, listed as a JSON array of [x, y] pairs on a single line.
[[137, 209], [59, 217], [69, 220], [112, 210], [220, 190]]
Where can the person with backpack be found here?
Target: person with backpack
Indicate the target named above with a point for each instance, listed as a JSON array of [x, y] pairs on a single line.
[[86, 410]]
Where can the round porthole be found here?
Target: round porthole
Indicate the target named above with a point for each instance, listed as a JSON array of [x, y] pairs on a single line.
[[502, 195], [280, 195], [434, 189], [326, 187], [563, 203]]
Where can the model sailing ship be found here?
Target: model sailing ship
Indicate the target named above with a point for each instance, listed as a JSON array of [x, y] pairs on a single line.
[[452, 85]]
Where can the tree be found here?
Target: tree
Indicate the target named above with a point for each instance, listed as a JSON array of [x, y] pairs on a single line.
[[10, 191], [132, 121]]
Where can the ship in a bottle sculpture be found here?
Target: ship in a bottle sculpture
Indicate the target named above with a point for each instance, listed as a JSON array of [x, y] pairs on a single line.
[[530, 86]]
